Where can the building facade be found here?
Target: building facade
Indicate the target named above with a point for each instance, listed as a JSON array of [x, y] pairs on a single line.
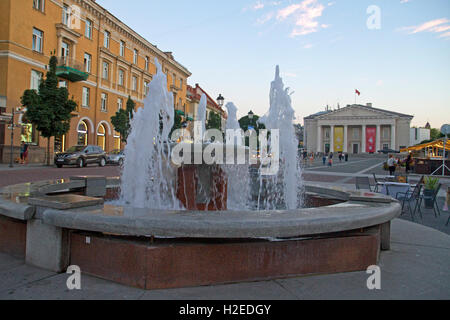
[[101, 61], [193, 100], [356, 129], [418, 135]]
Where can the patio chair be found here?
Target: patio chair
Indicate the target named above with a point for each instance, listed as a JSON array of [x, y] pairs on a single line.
[[432, 198], [378, 182], [363, 183], [401, 178], [421, 181], [408, 197]]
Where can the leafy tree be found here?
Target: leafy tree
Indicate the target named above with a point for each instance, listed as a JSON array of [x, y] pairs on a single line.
[[246, 122], [214, 121], [121, 120], [435, 134], [50, 109]]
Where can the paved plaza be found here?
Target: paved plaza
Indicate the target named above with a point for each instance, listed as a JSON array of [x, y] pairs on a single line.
[[416, 267]]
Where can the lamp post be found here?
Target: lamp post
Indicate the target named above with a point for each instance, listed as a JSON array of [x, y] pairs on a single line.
[[220, 100]]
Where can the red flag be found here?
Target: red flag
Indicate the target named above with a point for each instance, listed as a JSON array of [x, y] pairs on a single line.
[[357, 92]]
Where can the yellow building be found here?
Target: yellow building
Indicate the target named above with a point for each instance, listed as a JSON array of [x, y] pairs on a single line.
[[100, 60]]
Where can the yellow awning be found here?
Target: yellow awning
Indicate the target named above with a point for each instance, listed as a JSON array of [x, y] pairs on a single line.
[[434, 144]]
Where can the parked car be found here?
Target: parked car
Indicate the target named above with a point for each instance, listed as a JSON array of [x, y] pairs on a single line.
[[387, 151], [81, 156], [115, 157]]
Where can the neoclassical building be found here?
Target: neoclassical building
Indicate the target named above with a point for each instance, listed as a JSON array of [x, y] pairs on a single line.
[[357, 129]]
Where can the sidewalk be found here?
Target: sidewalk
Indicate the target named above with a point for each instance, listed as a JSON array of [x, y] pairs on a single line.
[[417, 267]]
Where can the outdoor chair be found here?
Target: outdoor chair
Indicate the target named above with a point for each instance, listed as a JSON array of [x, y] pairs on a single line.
[[401, 178], [363, 183], [409, 197], [378, 182], [432, 198], [421, 181]]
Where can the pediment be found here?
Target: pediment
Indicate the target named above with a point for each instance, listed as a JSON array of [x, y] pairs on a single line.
[[357, 111]]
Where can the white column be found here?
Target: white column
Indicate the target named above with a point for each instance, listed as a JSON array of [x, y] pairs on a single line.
[[319, 138], [332, 139], [345, 139], [393, 141], [378, 147], [363, 142]]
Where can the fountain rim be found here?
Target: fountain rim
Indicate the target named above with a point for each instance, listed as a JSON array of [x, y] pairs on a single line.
[[360, 209]]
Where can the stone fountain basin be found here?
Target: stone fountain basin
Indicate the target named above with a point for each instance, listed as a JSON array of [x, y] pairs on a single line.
[[54, 224]]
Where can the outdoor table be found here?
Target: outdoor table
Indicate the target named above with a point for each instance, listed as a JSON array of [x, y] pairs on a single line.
[[394, 188]]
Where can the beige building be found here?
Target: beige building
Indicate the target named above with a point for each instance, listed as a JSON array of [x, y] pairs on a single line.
[[357, 129]]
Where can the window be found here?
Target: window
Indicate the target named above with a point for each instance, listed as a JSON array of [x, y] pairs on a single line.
[[174, 78], [87, 62], [39, 5], [386, 133], [135, 57], [181, 83], [121, 77], [105, 72], [119, 104], [65, 50], [36, 78], [146, 88], [122, 48], [82, 134], [28, 133], [86, 97], [66, 15], [38, 40], [107, 35], [134, 84], [327, 133], [116, 140], [104, 103], [146, 63], [385, 146], [88, 31], [355, 133], [101, 140], [62, 84]]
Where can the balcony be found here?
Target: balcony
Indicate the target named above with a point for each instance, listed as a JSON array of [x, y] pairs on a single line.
[[71, 70]]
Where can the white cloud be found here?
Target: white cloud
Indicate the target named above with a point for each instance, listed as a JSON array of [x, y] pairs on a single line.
[[441, 26], [258, 6], [308, 46], [404, 1], [304, 15], [379, 83]]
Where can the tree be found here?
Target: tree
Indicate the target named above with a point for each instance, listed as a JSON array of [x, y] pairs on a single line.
[[121, 120], [214, 121], [50, 109], [246, 122], [435, 134]]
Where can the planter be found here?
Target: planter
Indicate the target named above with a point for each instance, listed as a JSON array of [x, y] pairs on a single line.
[[428, 197]]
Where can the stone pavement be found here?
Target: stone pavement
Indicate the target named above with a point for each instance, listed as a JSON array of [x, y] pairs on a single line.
[[417, 267]]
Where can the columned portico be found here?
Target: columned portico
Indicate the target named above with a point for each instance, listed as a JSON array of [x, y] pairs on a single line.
[[357, 128]]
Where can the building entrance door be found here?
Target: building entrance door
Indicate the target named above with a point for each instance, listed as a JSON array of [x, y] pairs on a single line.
[[355, 148]]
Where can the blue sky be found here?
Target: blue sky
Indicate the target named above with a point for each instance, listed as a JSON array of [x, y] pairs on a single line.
[[325, 50]]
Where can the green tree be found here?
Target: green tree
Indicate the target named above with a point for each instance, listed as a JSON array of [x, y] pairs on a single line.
[[50, 109], [214, 121], [246, 122], [121, 120], [435, 134]]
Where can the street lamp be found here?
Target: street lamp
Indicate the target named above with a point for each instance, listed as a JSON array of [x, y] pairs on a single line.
[[250, 115], [220, 100]]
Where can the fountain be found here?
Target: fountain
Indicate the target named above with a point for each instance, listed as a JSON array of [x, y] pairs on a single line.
[[183, 214]]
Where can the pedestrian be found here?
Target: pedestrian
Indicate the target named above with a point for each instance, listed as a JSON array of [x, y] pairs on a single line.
[[25, 153], [22, 150], [346, 157], [408, 163], [340, 156], [324, 158], [391, 165]]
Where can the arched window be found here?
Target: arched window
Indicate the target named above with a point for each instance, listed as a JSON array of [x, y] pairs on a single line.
[[101, 137], [116, 140], [82, 134]]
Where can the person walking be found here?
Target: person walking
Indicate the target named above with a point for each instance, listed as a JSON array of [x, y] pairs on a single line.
[[408, 163], [391, 165], [324, 159]]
